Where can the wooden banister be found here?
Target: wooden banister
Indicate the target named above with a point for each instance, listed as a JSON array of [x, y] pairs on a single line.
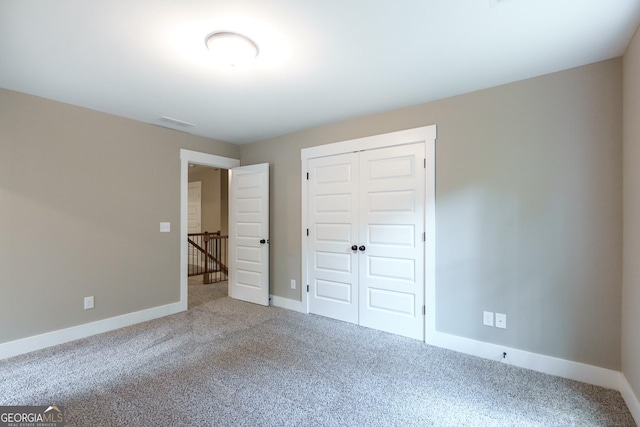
[[197, 241]]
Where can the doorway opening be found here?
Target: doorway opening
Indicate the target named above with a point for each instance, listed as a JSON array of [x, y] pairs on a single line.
[[203, 161], [208, 225], [248, 227]]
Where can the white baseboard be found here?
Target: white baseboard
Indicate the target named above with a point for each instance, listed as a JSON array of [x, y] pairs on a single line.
[[630, 398], [595, 375], [287, 303], [37, 342], [577, 371]]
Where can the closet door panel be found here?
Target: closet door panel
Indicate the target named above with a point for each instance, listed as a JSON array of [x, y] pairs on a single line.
[[391, 223], [333, 215]]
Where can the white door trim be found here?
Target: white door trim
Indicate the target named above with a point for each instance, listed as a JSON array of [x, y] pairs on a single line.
[[409, 136], [198, 158], [426, 134]]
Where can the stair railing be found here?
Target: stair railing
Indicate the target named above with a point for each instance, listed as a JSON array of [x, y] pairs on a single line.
[[208, 256]]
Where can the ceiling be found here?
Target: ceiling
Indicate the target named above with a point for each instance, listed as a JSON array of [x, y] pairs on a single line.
[[320, 60]]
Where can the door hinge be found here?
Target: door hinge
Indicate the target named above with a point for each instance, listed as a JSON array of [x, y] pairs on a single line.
[[424, 310], [424, 236], [307, 288], [425, 163], [307, 231], [307, 176]]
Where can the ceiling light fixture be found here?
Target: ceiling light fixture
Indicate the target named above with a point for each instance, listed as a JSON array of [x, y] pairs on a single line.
[[231, 48]]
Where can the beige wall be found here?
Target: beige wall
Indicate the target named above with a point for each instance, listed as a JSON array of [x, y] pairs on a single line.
[[631, 275], [82, 194], [528, 209], [215, 203]]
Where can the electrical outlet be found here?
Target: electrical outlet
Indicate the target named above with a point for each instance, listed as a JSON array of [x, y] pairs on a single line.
[[88, 303], [165, 227], [487, 318], [293, 284], [501, 320]]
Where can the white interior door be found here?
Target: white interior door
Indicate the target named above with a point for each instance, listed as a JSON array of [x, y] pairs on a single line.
[[249, 233], [391, 226], [333, 216], [195, 206], [194, 217]]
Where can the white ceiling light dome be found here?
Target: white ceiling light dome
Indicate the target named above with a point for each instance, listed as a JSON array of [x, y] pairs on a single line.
[[229, 48]]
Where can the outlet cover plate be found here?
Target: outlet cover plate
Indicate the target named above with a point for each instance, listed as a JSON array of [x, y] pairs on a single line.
[[88, 303], [165, 227], [501, 320], [487, 318]]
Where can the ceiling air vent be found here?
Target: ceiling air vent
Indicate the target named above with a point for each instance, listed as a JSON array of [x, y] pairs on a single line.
[[176, 122]]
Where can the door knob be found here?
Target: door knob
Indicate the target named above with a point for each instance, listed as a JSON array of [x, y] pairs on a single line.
[[354, 248], [263, 241], [362, 248]]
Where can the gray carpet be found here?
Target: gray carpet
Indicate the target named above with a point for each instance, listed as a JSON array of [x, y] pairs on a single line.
[[229, 363]]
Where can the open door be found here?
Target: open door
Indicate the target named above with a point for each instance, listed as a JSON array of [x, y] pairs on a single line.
[[249, 233]]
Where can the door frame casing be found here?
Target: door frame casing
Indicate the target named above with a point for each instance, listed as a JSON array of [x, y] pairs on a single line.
[[425, 134], [203, 159]]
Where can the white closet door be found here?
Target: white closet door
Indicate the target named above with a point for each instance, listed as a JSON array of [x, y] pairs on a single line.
[[391, 224], [333, 214]]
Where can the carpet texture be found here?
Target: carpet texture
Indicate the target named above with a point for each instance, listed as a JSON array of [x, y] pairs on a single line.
[[228, 363]]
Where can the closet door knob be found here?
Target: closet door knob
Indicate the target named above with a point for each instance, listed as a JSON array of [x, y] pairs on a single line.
[[362, 248], [354, 248]]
